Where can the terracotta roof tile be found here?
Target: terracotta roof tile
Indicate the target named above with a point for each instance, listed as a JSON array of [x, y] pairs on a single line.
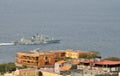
[[85, 61], [75, 62], [108, 62], [65, 68]]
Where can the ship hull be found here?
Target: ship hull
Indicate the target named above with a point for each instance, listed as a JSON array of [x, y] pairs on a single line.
[[37, 39]]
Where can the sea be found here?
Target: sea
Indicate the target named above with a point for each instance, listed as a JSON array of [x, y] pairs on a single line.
[[87, 25]]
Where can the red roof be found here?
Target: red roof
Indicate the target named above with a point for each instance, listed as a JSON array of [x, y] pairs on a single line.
[[107, 62], [85, 61]]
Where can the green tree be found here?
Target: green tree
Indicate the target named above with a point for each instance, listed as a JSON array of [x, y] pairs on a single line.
[[95, 54], [112, 58], [83, 56], [7, 67]]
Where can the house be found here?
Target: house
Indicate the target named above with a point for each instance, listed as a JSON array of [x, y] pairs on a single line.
[[75, 54], [72, 54], [46, 59], [27, 58], [65, 70], [109, 66], [58, 65], [75, 64]]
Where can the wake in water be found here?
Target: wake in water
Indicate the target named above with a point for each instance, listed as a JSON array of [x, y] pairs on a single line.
[[5, 44]]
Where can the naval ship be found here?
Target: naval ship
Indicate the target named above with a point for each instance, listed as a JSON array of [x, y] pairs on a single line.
[[36, 39]]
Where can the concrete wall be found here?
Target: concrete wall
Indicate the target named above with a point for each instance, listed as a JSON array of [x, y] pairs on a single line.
[[57, 68], [49, 74], [72, 54]]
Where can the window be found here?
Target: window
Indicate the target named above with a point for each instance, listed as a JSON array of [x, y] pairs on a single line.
[[62, 54], [36, 58], [46, 58], [46, 63]]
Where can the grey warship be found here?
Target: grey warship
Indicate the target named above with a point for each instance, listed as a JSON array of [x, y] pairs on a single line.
[[36, 39]]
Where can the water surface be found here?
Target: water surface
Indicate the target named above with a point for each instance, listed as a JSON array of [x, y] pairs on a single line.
[[80, 24]]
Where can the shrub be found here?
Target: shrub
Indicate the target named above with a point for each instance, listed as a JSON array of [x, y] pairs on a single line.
[[112, 58], [7, 67]]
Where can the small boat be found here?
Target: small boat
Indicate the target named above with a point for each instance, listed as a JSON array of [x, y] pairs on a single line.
[[4, 44], [36, 39]]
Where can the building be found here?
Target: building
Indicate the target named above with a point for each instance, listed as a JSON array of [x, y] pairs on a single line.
[[65, 70], [75, 54], [46, 59], [72, 54], [27, 58], [108, 66], [59, 54], [39, 59], [75, 64], [58, 65]]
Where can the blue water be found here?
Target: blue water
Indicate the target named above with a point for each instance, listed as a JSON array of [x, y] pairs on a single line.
[[80, 24]]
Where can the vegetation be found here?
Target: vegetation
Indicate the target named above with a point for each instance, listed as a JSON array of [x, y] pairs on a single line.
[[95, 54], [66, 58], [7, 67], [112, 58], [83, 56]]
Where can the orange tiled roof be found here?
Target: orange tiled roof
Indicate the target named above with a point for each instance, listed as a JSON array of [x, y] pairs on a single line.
[[65, 68], [108, 62], [60, 62], [75, 62]]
